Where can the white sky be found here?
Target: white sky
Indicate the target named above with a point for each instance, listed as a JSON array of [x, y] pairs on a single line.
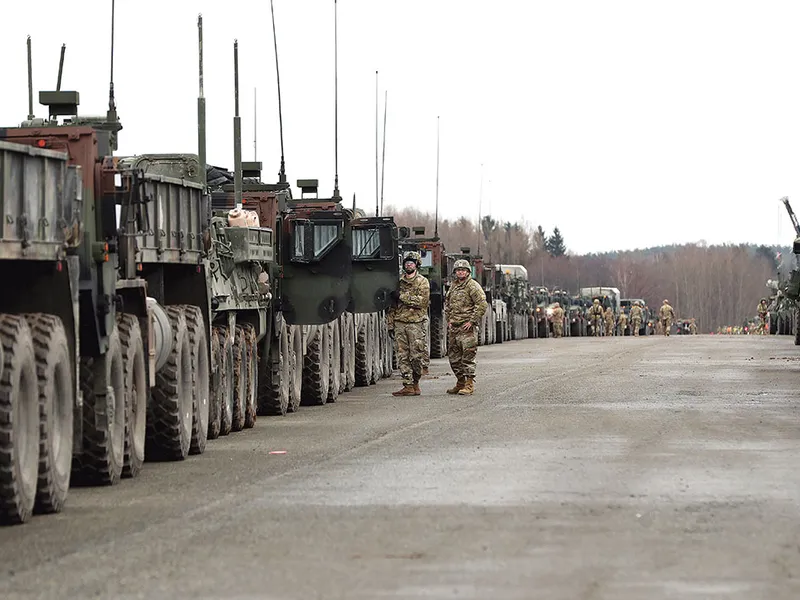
[[682, 113]]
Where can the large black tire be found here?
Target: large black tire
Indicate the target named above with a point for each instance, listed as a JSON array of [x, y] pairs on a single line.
[[349, 358], [103, 387], [375, 349], [498, 332], [169, 414], [334, 385], [251, 398], [226, 395], [201, 390], [797, 326], [217, 391], [273, 367], [316, 368], [137, 390], [438, 335], [363, 358], [19, 421], [240, 368], [296, 360], [388, 347], [56, 406]]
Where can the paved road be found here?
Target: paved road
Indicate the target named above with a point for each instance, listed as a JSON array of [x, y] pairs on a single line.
[[582, 469]]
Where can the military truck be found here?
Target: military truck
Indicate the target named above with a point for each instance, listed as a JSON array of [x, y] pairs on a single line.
[[578, 321], [563, 299], [514, 291], [541, 300]]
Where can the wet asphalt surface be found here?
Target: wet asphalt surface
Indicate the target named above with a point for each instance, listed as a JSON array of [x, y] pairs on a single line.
[[581, 469]]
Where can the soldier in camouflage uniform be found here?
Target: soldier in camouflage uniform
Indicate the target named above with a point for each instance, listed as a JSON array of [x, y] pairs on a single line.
[[763, 314], [609, 319], [464, 306], [558, 320], [666, 315], [596, 316], [407, 322], [622, 323], [636, 319], [692, 327]]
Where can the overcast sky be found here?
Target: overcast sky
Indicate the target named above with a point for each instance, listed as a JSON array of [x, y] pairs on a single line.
[[625, 124]]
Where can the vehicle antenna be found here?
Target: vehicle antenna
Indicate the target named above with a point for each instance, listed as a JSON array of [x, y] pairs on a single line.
[[255, 125], [31, 116], [61, 67], [480, 225], [201, 105], [111, 116], [336, 99], [383, 158], [282, 172], [237, 131], [376, 145], [436, 217]]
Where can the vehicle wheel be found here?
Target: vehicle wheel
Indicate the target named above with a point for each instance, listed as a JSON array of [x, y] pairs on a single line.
[[388, 348], [103, 387], [169, 415], [226, 381], [252, 376], [375, 350], [498, 333], [240, 378], [349, 358], [56, 401], [336, 361], [797, 326], [363, 359], [316, 368], [201, 389], [136, 390], [437, 335], [273, 381], [217, 392], [296, 360], [19, 421]]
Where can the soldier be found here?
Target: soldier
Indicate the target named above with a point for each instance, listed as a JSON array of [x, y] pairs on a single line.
[[636, 319], [622, 323], [407, 321], [596, 316], [692, 327], [666, 315], [763, 313], [558, 320], [609, 319], [464, 306]]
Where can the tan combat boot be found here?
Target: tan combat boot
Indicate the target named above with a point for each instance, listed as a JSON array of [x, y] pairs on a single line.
[[417, 391], [468, 388], [458, 387], [407, 390]]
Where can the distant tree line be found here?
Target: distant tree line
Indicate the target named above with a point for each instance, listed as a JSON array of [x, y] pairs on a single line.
[[718, 285]]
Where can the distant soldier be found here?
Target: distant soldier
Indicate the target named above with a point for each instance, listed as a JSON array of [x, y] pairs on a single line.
[[622, 323], [558, 320], [609, 319], [464, 306], [596, 316], [692, 327], [636, 319], [407, 320], [763, 314], [666, 316]]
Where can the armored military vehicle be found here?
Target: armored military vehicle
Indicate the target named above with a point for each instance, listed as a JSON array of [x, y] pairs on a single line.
[[578, 322], [563, 299], [625, 307], [541, 301]]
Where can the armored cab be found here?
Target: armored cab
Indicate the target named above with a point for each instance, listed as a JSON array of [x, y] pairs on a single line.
[[563, 299], [541, 300]]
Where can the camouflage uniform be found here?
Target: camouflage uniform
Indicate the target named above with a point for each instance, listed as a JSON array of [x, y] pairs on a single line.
[[622, 323], [465, 302], [763, 315], [407, 319], [609, 319], [595, 316], [666, 315], [692, 327], [558, 321], [636, 319]]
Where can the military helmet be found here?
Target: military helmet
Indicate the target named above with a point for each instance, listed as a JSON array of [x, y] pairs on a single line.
[[597, 300], [763, 299], [666, 301], [413, 255], [461, 264]]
